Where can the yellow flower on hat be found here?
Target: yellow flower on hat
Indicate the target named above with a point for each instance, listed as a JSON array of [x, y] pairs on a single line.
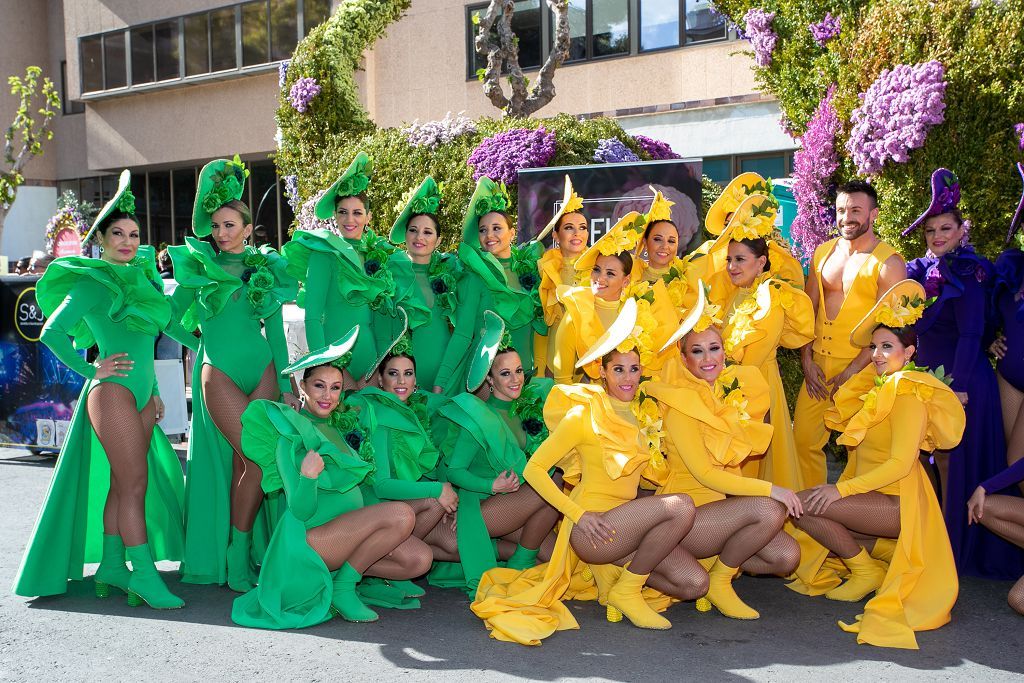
[[574, 204], [754, 219], [661, 208], [733, 197], [710, 316], [618, 241], [900, 313]]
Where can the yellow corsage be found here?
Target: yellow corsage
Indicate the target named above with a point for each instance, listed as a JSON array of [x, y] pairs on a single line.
[[649, 420], [754, 219], [661, 209], [574, 204], [900, 313], [729, 391]]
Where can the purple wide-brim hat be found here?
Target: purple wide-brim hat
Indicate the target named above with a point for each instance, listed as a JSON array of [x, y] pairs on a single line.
[[1018, 215], [945, 197]]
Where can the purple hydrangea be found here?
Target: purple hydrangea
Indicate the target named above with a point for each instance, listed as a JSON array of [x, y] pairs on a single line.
[[1019, 129], [434, 133], [501, 156], [656, 148], [826, 29], [613, 151], [305, 217], [895, 115], [813, 166], [282, 72], [291, 191], [760, 34], [302, 93]]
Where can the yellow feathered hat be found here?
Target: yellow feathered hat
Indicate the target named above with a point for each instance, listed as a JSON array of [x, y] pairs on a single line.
[[571, 203], [703, 315]]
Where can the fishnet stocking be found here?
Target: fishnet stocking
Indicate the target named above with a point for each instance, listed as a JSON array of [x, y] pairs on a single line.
[[1012, 401], [1016, 596], [779, 557], [442, 540], [124, 433], [428, 513], [872, 514], [734, 528], [226, 403], [1004, 516], [522, 509], [362, 537], [411, 559]]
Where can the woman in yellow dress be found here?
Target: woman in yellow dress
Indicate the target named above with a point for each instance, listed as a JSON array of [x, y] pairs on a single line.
[[603, 437], [722, 409], [609, 276], [883, 505], [557, 268], [763, 308], [660, 244]]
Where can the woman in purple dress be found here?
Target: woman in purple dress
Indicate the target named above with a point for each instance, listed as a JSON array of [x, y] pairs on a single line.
[[954, 333]]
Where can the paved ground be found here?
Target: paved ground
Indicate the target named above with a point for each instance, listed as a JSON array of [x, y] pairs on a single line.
[[76, 636]]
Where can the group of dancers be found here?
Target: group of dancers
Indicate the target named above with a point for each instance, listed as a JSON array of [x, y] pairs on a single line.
[[533, 425]]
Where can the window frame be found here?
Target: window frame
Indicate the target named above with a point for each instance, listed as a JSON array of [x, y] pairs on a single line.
[[545, 29], [68, 106]]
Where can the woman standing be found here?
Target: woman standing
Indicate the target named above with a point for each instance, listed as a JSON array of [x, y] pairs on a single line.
[[327, 538], [723, 410], [660, 244], [124, 497], [234, 294], [883, 505], [604, 439], [430, 281], [498, 276], [954, 333]]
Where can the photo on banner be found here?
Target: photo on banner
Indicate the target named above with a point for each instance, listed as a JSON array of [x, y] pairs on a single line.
[[610, 191]]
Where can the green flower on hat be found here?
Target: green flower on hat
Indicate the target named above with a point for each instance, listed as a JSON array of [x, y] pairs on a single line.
[[499, 202], [355, 180], [402, 347], [426, 198], [221, 181], [126, 202], [506, 342], [425, 204], [342, 362], [353, 185]]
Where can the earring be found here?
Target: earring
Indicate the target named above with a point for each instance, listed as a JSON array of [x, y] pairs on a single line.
[[101, 248], [245, 242]]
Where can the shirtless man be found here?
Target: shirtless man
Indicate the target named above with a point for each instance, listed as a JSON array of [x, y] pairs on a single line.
[[849, 273]]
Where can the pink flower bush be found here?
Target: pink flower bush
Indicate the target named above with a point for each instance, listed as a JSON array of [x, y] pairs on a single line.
[[826, 29], [501, 157], [813, 166], [760, 34], [895, 115], [302, 93], [656, 148]]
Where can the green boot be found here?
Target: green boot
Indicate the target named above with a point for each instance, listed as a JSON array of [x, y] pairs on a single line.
[[522, 558], [410, 589], [112, 571], [241, 577], [383, 593], [345, 601], [145, 584]]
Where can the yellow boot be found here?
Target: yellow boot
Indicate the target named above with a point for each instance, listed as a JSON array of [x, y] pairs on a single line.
[[625, 597], [866, 575], [721, 594]]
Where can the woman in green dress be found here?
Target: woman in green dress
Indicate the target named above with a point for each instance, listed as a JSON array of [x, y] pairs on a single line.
[[432, 280], [498, 276], [327, 537], [117, 489], [485, 444], [234, 295]]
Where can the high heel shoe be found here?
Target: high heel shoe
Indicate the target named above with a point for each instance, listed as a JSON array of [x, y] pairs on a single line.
[[145, 584], [345, 601], [866, 576], [625, 597], [721, 594], [112, 572]]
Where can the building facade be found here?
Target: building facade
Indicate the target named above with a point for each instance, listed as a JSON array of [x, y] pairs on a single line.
[[162, 87]]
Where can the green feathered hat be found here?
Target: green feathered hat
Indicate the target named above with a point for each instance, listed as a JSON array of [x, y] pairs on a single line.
[[123, 200], [354, 180], [493, 339], [426, 199], [221, 181], [337, 354], [487, 197], [401, 344]]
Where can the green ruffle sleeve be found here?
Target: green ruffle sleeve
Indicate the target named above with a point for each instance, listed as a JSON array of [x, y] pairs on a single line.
[[356, 286], [413, 453], [515, 306]]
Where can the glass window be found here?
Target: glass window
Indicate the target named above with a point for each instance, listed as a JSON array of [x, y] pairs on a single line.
[[114, 63], [766, 166], [263, 181], [314, 13], [138, 187], [92, 64], [142, 55], [160, 209], [659, 24], [70, 185], [184, 199], [702, 22], [610, 27], [577, 30], [70, 106], [167, 50], [108, 186], [197, 48], [222, 39], [526, 26], [254, 33], [719, 170], [92, 191], [284, 28]]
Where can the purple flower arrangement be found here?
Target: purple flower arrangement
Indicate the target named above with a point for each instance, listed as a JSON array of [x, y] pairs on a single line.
[[895, 115], [282, 72], [826, 29], [501, 156], [760, 34], [305, 217], [813, 166], [656, 148], [434, 133], [67, 217], [302, 93], [1019, 129], [291, 191], [613, 151]]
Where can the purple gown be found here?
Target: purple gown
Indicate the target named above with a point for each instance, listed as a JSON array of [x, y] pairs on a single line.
[[1009, 312], [955, 332]]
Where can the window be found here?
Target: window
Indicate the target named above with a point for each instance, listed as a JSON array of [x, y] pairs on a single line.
[[70, 106], [142, 55], [719, 170], [263, 182], [197, 46], [659, 24], [577, 30], [610, 27], [160, 228], [222, 40], [314, 13], [167, 65], [284, 29], [773, 166], [184, 189], [138, 188], [703, 23], [768, 164], [114, 60], [91, 50], [526, 23], [255, 38]]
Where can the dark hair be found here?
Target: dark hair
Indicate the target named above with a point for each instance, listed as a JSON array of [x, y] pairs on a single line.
[[854, 186], [241, 207], [361, 197], [431, 216], [390, 357], [558, 225], [502, 352], [625, 258], [954, 212], [114, 216], [647, 230], [906, 334], [607, 358], [759, 247], [309, 371]]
